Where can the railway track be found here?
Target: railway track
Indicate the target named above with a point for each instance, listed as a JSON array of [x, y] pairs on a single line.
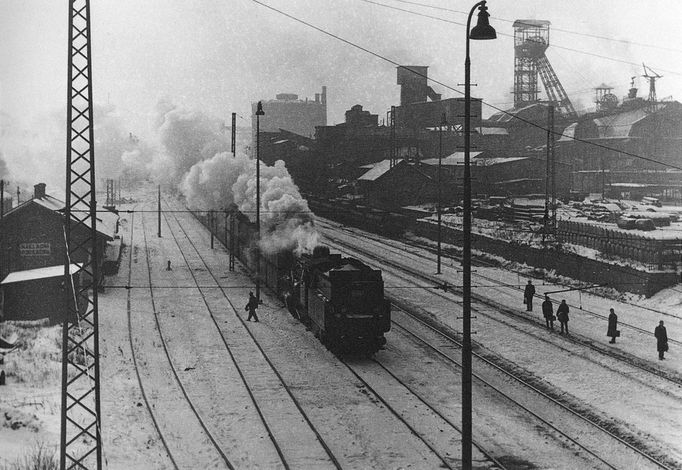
[[299, 458], [422, 410], [668, 376], [626, 455], [413, 273], [514, 287], [171, 441]]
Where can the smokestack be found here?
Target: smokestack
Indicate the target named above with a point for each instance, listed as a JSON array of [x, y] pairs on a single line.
[[39, 191], [317, 97], [324, 94]]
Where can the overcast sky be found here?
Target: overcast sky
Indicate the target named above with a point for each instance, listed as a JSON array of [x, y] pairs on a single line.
[[219, 55]]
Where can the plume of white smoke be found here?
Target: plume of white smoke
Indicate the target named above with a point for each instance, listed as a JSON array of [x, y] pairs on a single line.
[[286, 220], [187, 137]]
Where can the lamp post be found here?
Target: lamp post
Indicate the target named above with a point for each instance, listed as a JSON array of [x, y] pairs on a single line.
[[259, 113], [443, 122], [482, 30]]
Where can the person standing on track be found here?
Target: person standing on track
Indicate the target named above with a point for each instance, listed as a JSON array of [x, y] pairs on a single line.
[[548, 313], [528, 294], [661, 335], [613, 327], [562, 316], [251, 306]]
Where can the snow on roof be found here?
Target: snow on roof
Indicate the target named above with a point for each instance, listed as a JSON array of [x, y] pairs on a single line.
[[620, 125], [456, 158], [569, 132], [493, 131], [106, 220], [40, 273], [378, 169]]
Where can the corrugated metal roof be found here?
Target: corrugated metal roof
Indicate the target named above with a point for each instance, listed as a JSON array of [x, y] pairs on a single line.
[[40, 273]]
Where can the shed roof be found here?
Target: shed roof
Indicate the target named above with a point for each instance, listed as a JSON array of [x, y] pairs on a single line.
[[377, 170], [106, 220], [39, 273], [456, 158], [619, 125]]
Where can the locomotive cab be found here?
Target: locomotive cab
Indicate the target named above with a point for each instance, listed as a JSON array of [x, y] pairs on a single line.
[[344, 302]]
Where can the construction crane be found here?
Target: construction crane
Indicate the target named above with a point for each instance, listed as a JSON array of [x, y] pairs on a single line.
[[531, 40]]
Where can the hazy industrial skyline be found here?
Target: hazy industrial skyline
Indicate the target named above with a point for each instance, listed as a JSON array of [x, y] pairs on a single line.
[[218, 56]]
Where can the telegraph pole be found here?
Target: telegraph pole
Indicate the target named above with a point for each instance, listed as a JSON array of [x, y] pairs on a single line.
[[259, 113], [158, 210], [234, 135], [81, 434], [548, 170]]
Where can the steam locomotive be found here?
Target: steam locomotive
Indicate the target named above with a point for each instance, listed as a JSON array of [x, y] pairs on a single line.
[[341, 300]]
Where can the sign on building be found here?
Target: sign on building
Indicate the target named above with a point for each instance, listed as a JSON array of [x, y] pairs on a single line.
[[35, 249]]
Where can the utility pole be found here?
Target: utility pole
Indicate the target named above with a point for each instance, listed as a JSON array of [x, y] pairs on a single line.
[[443, 122], [232, 240], [394, 144], [259, 113], [548, 170], [211, 224], [158, 211], [553, 160], [81, 433], [234, 135], [2, 198]]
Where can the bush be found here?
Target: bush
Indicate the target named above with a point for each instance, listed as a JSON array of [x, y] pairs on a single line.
[[39, 457]]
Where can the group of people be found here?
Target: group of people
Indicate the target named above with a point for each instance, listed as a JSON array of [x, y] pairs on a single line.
[[562, 315]]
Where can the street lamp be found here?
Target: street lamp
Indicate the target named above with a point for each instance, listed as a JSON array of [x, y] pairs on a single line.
[[482, 30], [259, 113], [443, 122]]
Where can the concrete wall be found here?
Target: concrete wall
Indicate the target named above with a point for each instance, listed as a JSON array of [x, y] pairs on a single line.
[[622, 278]]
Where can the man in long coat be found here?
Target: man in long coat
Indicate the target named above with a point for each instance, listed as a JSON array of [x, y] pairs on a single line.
[[251, 306], [528, 294], [613, 327], [562, 316], [661, 335], [548, 313]]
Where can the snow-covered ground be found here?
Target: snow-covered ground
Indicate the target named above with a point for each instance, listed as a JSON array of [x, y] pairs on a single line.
[[325, 397]]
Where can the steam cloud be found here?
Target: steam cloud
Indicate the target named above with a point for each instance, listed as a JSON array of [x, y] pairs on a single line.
[[194, 154]]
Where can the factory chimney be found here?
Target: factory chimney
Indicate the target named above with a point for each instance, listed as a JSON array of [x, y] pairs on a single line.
[[39, 191]]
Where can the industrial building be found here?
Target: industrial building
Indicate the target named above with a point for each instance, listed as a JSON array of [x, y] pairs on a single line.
[[33, 249], [288, 112]]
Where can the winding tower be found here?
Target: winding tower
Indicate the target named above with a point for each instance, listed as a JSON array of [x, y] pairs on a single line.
[[531, 40]]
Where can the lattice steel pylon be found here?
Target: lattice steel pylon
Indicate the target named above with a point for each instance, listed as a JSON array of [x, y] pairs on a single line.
[[531, 40], [80, 414]]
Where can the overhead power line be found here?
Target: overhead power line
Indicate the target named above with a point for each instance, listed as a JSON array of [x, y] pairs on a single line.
[[556, 46], [567, 31], [514, 116]]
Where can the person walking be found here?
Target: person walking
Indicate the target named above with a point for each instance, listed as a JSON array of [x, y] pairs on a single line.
[[548, 312], [528, 294], [661, 335], [613, 327], [562, 316], [251, 306]]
